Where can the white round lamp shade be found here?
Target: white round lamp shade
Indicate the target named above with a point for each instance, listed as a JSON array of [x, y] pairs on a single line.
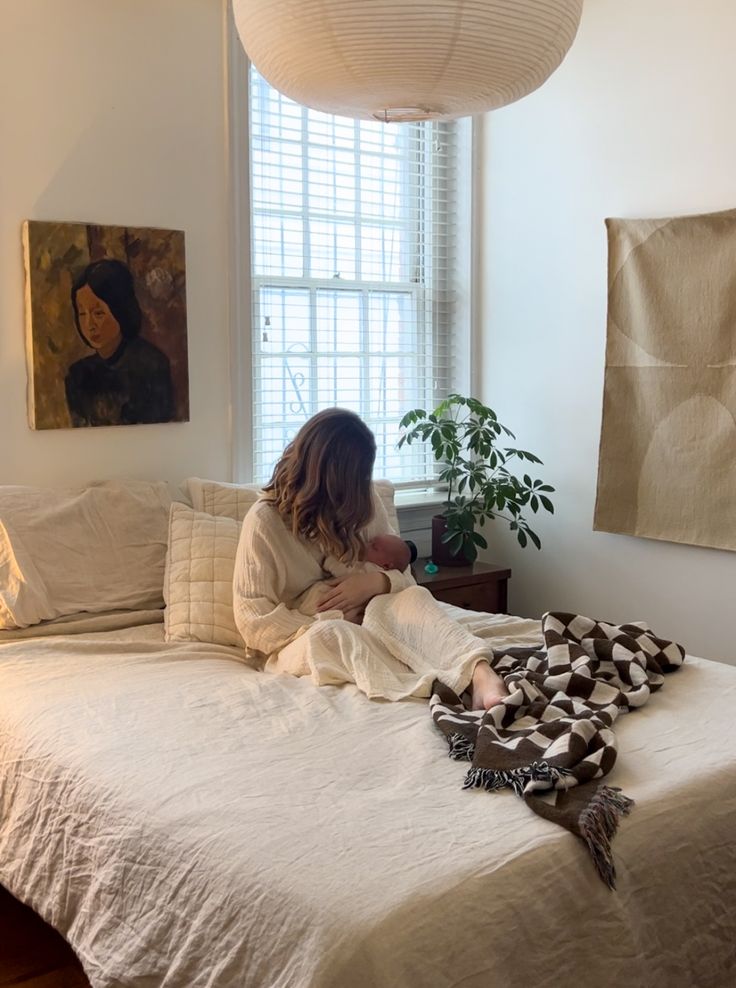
[[406, 59]]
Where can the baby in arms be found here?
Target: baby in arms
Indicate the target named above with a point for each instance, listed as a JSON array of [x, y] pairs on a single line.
[[381, 553]]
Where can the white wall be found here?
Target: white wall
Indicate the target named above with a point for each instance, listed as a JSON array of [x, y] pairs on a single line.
[[114, 113], [638, 122]]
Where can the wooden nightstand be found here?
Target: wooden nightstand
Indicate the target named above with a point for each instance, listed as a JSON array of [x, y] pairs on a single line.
[[476, 587]]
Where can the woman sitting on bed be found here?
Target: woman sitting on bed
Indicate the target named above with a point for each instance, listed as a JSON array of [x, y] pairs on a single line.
[[320, 504]]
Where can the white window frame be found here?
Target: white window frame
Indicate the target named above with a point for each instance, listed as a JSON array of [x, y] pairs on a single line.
[[240, 314]]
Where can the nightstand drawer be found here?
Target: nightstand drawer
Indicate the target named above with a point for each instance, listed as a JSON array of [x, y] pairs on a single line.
[[474, 597], [476, 587]]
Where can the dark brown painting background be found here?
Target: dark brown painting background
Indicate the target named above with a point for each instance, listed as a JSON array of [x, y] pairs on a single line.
[[55, 253]]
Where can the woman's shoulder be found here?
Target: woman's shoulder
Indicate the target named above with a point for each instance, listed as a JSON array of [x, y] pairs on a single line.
[[262, 505], [263, 524], [263, 513]]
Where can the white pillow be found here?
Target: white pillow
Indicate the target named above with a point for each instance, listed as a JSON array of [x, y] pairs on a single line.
[[223, 500], [23, 597], [385, 490], [97, 548], [198, 587], [235, 500]]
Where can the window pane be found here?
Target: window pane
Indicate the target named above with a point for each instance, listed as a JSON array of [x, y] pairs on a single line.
[[339, 383], [392, 323], [331, 178], [278, 246], [386, 254], [278, 176], [284, 320], [338, 132], [285, 381], [381, 183], [339, 322], [332, 249]]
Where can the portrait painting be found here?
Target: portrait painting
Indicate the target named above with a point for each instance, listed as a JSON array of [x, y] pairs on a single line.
[[106, 325]]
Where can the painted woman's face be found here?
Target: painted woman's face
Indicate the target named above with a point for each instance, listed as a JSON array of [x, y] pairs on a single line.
[[98, 325]]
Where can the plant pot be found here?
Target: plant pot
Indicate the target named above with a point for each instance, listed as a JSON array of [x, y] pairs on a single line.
[[441, 554]]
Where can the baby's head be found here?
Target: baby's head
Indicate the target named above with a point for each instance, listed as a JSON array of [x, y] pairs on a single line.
[[388, 552]]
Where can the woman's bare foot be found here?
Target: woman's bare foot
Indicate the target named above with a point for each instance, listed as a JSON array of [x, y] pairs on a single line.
[[487, 688]]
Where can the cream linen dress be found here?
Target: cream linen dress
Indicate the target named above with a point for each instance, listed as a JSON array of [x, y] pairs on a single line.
[[406, 640]]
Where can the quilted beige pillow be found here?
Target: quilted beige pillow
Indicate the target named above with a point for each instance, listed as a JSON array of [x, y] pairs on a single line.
[[235, 500], [198, 587]]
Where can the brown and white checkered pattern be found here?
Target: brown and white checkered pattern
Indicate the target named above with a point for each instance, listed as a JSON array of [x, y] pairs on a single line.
[[554, 730]]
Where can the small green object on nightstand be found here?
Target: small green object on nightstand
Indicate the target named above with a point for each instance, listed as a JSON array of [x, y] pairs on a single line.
[[431, 567]]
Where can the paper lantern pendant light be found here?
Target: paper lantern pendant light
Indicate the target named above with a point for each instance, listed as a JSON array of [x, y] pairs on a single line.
[[406, 59]]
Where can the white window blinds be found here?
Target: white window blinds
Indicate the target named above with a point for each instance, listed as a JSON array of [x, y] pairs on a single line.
[[354, 274]]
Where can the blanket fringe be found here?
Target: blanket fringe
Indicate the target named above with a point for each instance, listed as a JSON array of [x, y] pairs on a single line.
[[462, 749], [598, 823], [491, 779]]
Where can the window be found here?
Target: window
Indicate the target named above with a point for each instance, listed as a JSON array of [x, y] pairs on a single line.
[[355, 273]]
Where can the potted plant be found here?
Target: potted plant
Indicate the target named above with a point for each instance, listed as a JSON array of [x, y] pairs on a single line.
[[465, 436]]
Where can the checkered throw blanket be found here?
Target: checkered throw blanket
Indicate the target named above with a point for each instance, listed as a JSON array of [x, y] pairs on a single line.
[[551, 739]]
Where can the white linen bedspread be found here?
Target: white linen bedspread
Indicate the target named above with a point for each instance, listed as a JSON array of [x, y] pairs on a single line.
[[188, 822]]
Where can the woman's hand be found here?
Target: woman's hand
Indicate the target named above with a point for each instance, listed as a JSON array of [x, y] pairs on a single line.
[[350, 593], [355, 616]]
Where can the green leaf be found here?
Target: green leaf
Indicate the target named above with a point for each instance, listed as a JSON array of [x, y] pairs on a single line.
[[534, 538], [471, 553], [521, 537], [456, 544], [547, 504]]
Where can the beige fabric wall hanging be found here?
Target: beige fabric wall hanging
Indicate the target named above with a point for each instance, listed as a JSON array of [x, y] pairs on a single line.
[[667, 463]]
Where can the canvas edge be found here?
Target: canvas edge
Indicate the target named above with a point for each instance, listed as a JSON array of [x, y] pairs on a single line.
[[28, 324]]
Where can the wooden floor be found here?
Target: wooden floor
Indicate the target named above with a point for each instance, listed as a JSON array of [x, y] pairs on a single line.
[[32, 954]]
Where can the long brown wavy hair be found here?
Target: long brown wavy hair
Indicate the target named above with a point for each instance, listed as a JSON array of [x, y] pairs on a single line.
[[321, 486]]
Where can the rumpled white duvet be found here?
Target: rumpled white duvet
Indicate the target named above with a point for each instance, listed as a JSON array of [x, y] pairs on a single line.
[[188, 822]]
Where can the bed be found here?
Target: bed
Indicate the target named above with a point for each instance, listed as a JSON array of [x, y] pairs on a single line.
[[187, 821]]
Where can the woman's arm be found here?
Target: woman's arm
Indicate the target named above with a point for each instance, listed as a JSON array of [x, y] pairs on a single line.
[[261, 616], [351, 593]]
